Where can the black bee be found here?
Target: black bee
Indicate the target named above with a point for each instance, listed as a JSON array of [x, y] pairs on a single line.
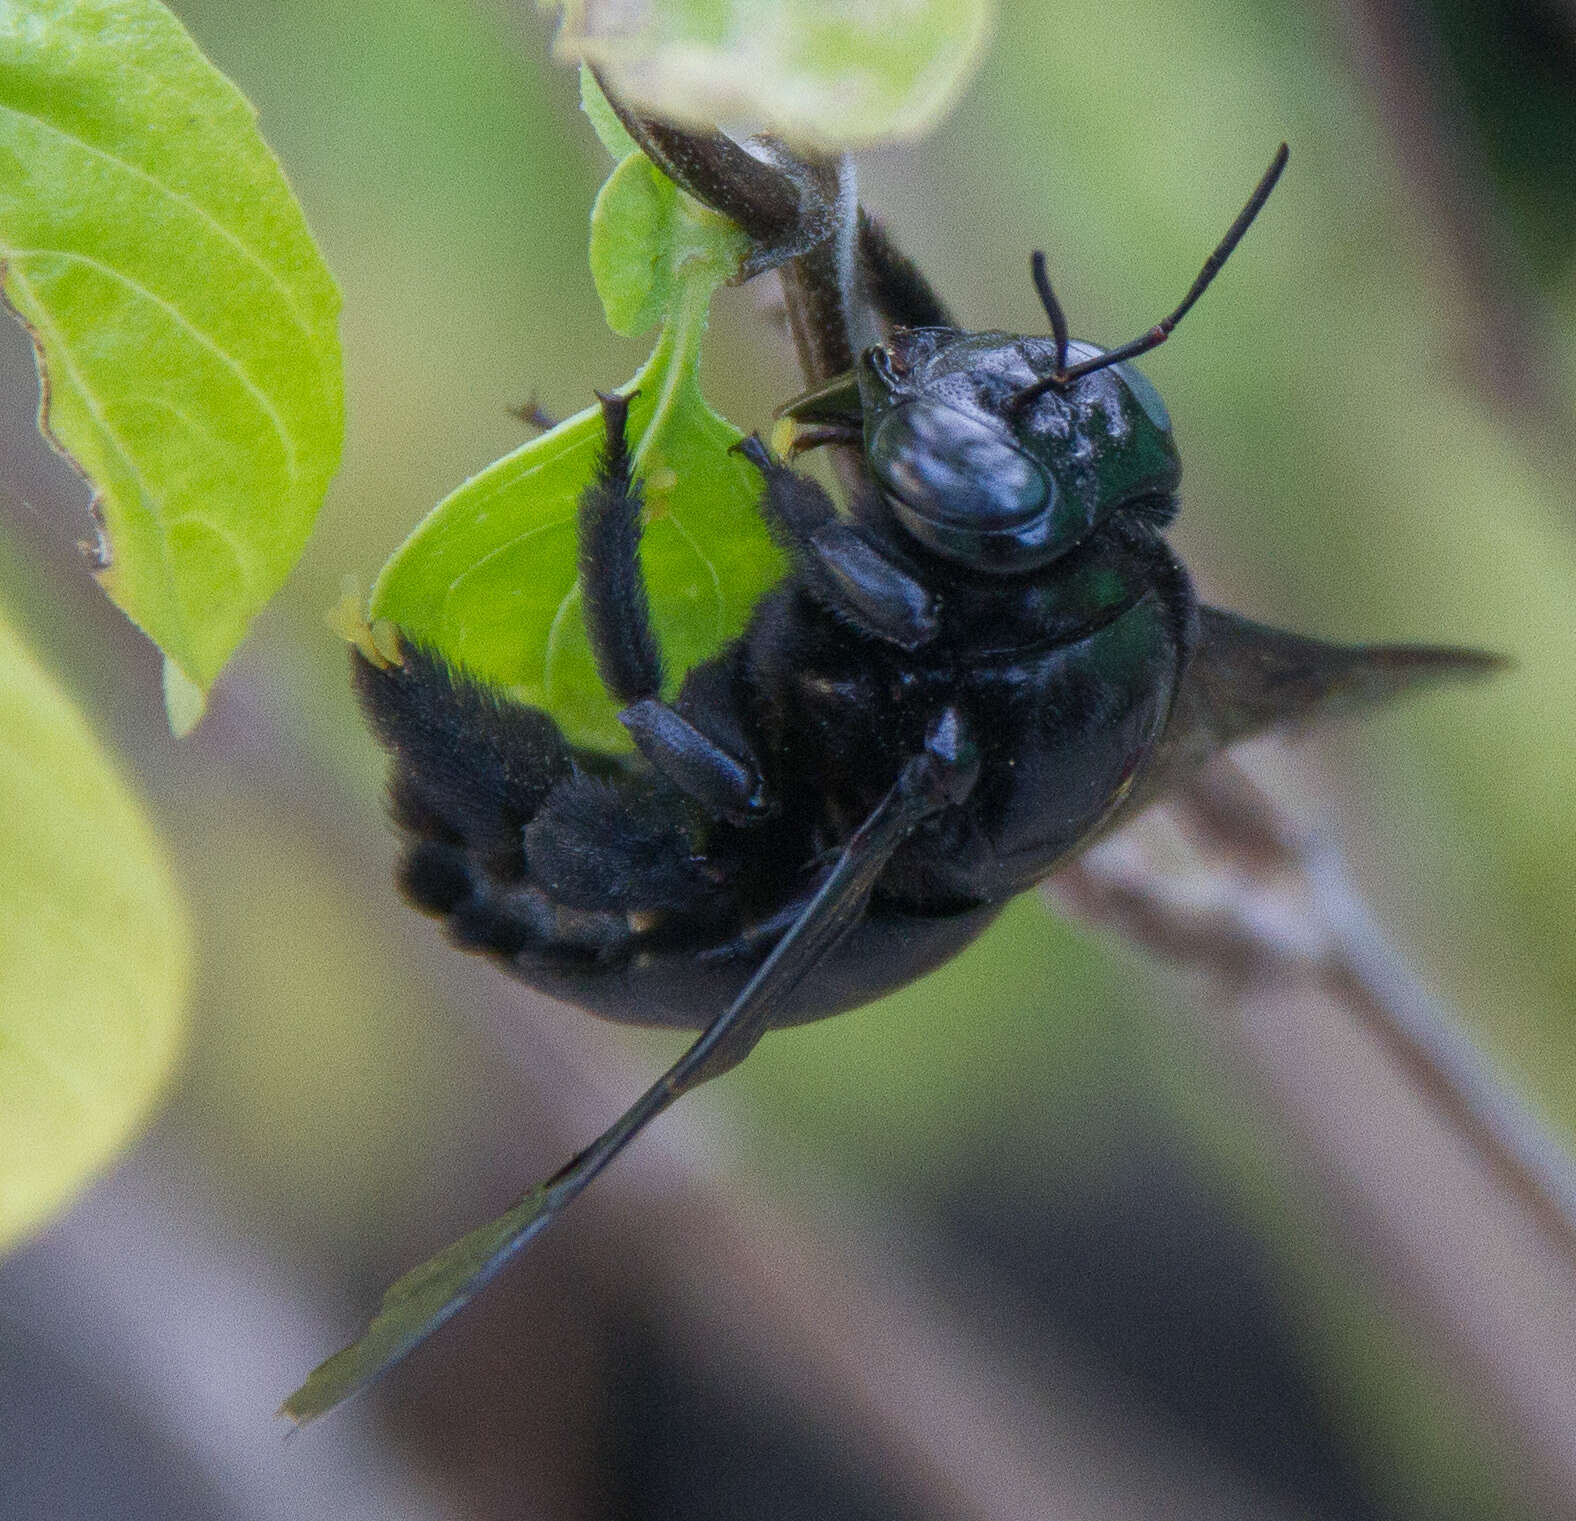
[[960, 682]]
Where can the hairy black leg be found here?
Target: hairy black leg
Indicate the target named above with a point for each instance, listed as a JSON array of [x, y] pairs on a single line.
[[689, 742], [943, 774], [892, 281], [787, 203], [618, 616], [470, 767], [845, 567], [472, 772], [622, 845]]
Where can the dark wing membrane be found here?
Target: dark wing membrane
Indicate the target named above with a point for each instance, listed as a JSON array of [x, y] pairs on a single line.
[[1246, 679]]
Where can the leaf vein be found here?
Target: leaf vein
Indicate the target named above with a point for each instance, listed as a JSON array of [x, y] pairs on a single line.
[[711, 570], [228, 360], [555, 633], [198, 210]]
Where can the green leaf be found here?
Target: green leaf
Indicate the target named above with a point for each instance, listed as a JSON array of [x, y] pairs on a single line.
[[826, 76], [611, 132], [631, 233], [93, 952], [490, 578], [183, 319]]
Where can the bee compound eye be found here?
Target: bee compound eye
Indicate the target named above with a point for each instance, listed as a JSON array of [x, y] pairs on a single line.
[[961, 487]]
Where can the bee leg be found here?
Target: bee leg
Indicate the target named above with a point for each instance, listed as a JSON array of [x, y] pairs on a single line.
[[939, 776], [788, 203], [892, 283], [696, 743], [471, 767], [846, 568], [795, 209], [617, 611], [617, 846]]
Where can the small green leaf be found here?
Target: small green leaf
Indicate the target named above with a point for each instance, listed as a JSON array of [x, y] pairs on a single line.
[[604, 119], [828, 76], [184, 701], [93, 952], [183, 319], [631, 233], [490, 578]]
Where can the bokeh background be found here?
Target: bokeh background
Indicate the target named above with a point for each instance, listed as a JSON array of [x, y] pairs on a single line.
[[1020, 1214]]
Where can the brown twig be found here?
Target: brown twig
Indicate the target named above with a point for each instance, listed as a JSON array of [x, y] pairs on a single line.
[[1507, 343], [819, 1302], [1460, 1195]]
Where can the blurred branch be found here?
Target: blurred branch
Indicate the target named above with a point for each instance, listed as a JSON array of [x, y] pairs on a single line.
[[196, 1330], [1508, 346], [1458, 1193], [817, 1302]]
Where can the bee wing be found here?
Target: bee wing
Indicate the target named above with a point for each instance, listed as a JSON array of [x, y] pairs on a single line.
[[421, 1301], [1246, 679]]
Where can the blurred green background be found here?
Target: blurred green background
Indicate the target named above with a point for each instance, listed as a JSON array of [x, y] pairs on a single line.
[[1374, 409]]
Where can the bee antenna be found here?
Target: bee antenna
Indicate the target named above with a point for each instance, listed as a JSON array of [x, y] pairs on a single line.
[[1162, 329], [1053, 308]]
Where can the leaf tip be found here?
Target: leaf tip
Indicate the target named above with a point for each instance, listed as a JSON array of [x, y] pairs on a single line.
[[378, 639], [184, 701], [329, 1385], [610, 131]]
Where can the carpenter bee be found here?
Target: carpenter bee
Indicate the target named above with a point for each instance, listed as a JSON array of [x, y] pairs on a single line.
[[989, 657]]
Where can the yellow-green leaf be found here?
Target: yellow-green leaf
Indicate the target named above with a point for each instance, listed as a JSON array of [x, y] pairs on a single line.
[[631, 232], [93, 952], [490, 578], [828, 76], [184, 321]]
